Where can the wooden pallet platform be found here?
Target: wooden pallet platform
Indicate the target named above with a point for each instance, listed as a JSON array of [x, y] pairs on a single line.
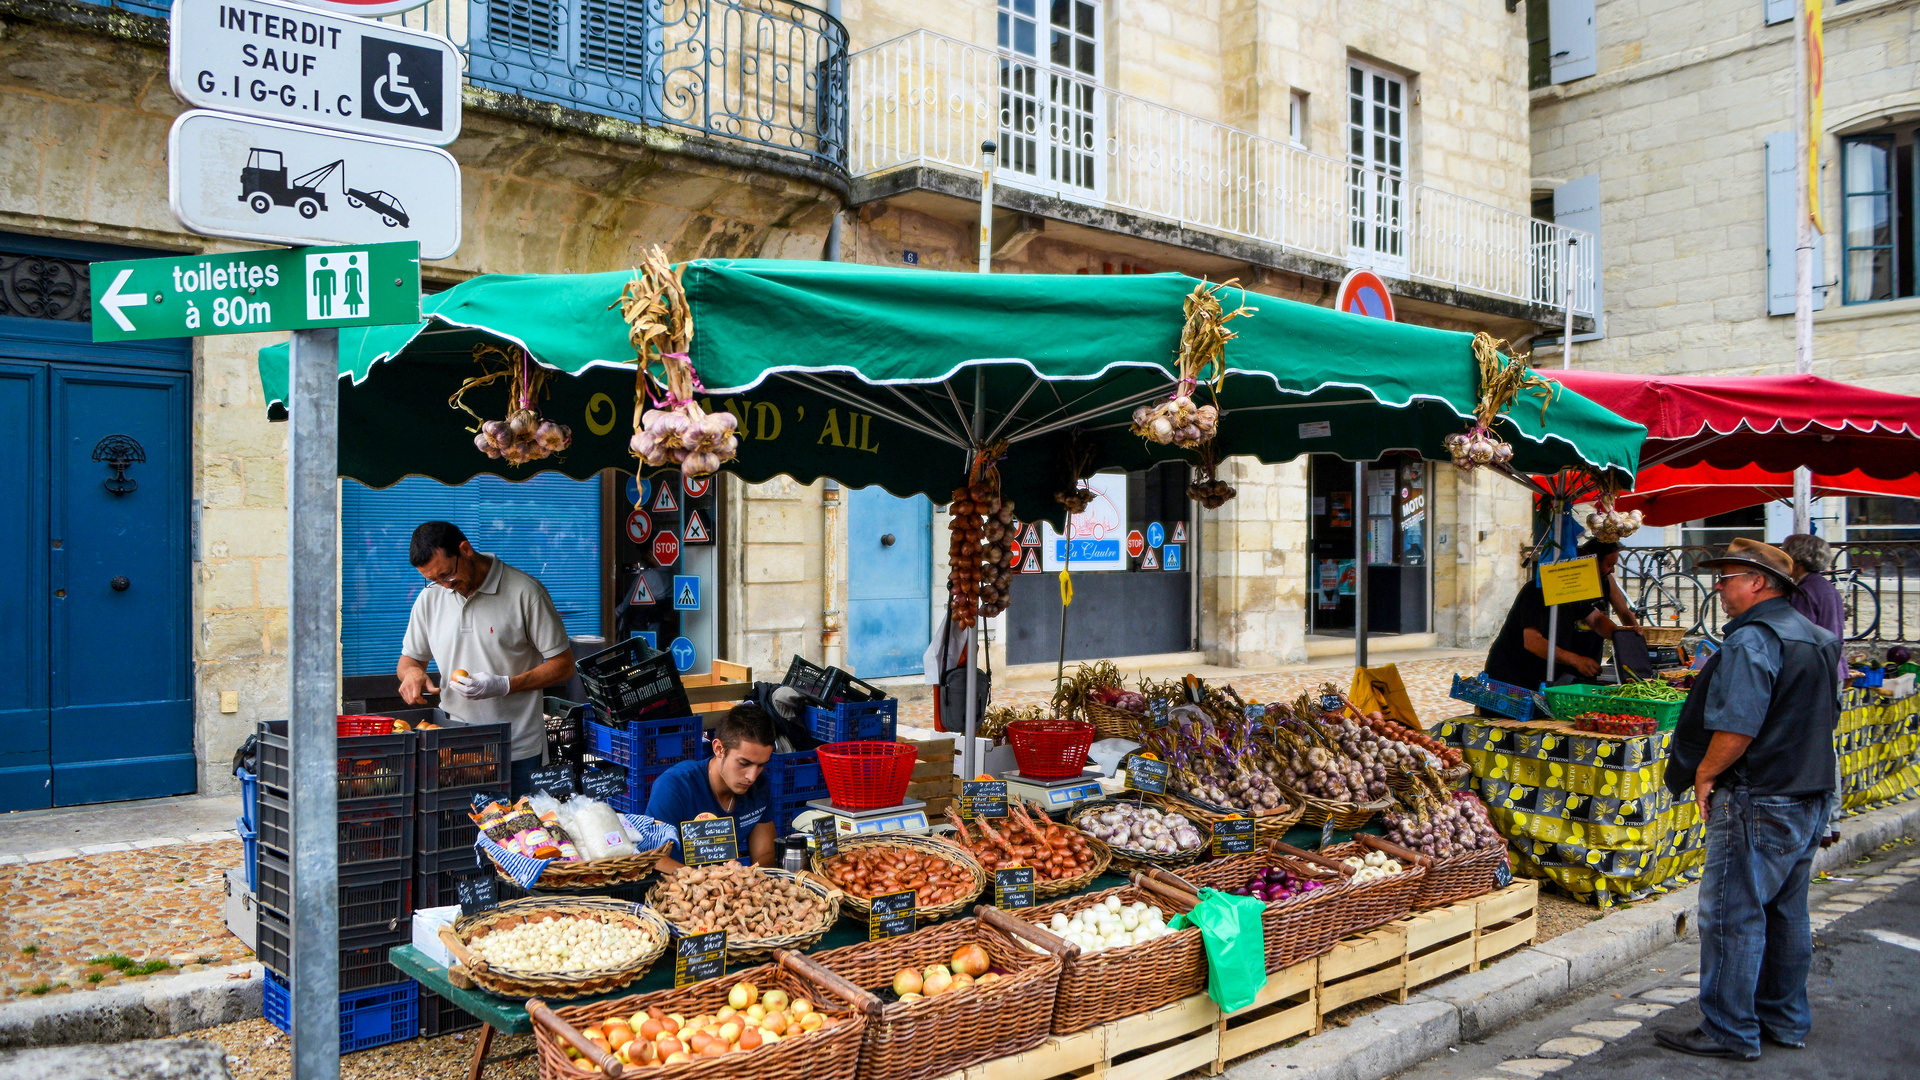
[[1190, 1034], [1406, 954]]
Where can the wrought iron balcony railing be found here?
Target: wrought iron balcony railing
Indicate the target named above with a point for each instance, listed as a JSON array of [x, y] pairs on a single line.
[[926, 99]]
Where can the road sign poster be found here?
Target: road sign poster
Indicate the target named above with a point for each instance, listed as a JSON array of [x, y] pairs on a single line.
[[695, 530], [1170, 557], [684, 654], [686, 592], [290, 184], [1156, 534], [664, 501], [285, 61], [639, 525], [666, 548], [1136, 543], [696, 486], [253, 291]]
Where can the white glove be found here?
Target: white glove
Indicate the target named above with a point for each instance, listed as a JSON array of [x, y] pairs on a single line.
[[479, 685]]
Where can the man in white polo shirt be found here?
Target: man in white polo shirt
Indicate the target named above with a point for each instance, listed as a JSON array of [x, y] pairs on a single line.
[[497, 627]]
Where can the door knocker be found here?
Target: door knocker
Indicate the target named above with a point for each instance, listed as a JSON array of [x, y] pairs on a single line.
[[120, 452]]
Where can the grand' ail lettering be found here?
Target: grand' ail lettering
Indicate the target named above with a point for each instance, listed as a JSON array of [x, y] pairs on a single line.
[[866, 434], [831, 430], [595, 406], [762, 412]]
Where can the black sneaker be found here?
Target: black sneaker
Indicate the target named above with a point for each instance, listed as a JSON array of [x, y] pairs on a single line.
[[1698, 1043]]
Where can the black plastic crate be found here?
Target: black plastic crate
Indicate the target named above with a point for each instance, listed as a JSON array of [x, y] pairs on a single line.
[[375, 834], [436, 889], [462, 755], [634, 682], [273, 941], [450, 828], [566, 740], [369, 767], [439, 1016], [368, 900], [363, 953], [827, 686]]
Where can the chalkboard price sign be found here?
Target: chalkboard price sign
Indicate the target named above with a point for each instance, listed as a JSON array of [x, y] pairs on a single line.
[[698, 957], [826, 838], [1503, 874], [603, 782], [483, 799], [983, 799], [1013, 888], [709, 841], [1161, 710], [1146, 774], [478, 892], [1233, 836], [892, 916], [555, 780]]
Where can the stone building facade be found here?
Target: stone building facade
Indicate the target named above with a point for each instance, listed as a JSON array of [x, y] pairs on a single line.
[[1261, 90]]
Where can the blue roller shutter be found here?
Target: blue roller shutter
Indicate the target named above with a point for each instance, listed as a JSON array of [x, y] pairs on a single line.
[[548, 526]]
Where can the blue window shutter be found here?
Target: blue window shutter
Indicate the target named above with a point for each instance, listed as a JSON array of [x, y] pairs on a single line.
[[1570, 41], [1782, 204], [1576, 204], [1779, 11], [547, 526]]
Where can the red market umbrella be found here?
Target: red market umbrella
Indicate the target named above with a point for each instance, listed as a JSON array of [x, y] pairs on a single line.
[[1775, 422], [1668, 496]]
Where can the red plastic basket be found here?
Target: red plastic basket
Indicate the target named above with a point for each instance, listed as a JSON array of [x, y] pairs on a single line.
[[867, 775], [351, 726], [1050, 749]]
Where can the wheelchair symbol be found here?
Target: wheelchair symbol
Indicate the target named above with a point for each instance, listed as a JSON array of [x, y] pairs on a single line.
[[401, 88]]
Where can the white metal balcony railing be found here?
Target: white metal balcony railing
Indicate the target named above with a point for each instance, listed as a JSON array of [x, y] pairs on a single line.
[[927, 99]]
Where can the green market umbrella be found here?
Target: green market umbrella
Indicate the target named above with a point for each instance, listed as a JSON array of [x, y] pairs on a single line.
[[875, 375]]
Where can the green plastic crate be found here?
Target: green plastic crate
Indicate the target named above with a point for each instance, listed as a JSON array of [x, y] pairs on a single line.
[[1567, 702]]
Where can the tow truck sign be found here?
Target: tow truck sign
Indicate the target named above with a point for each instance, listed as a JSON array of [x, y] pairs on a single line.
[[287, 62], [290, 184]]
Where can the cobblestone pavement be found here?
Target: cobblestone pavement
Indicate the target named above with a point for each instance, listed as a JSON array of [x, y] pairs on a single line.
[[162, 902]]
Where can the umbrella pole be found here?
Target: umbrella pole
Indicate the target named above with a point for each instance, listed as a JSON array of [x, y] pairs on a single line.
[[1359, 566], [969, 756]]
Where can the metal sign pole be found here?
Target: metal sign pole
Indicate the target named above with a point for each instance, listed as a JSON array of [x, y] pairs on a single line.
[[1359, 565], [1566, 335], [313, 609]]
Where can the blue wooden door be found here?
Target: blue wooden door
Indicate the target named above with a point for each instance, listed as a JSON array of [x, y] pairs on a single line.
[[25, 769], [889, 573], [120, 693]]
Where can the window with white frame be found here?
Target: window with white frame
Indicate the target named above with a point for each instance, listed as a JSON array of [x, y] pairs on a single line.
[[1297, 119], [1376, 166], [1049, 92]]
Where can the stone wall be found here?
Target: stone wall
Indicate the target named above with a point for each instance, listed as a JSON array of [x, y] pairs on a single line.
[[1675, 123], [83, 123]]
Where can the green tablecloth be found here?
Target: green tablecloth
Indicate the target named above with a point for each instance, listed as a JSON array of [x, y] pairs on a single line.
[[510, 1014]]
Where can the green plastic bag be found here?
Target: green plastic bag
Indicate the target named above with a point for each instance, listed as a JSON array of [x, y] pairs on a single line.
[[1236, 946]]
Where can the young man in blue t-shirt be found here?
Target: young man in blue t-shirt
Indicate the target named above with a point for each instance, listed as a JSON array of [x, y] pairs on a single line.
[[731, 783]]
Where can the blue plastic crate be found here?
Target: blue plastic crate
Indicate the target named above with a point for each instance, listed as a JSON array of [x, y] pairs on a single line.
[[796, 777], [1506, 699], [368, 1018], [249, 799], [854, 721], [783, 811], [639, 787], [645, 742], [250, 845]]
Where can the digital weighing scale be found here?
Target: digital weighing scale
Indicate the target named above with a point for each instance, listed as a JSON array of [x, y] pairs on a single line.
[[907, 817], [1058, 796]]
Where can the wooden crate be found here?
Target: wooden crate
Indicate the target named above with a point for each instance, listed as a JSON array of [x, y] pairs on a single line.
[[1190, 1034], [1404, 955], [720, 689]]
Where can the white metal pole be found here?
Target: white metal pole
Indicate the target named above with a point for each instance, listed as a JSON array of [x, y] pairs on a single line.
[[1802, 248], [1553, 639], [313, 608], [969, 761], [1359, 565], [987, 151], [1566, 336]]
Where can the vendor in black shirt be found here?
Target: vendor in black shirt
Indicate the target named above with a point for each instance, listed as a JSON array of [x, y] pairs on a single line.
[[1519, 654]]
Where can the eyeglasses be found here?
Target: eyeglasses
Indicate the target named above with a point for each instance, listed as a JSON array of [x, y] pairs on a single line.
[[1722, 578]]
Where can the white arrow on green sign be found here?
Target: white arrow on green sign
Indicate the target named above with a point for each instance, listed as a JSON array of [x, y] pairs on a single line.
[[250, 292]]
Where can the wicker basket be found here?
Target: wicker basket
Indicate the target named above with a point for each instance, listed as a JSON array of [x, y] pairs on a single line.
[[1374, 903], [1129, 858], [1099, 987], [744, 949], [1448, 880], [862, 906], [1663, 635], [1111, 723], [562, 877], [1268, 825], [1316, 811], [510, 983], [916, 1040], [1102, 858], [830, 1054], [1298, 928]]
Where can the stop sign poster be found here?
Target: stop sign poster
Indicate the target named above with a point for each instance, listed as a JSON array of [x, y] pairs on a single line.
[[666, 548]]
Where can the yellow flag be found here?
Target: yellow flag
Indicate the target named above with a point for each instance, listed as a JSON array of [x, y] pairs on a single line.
[[1816, 85]]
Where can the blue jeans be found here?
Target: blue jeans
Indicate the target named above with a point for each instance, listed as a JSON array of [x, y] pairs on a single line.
[[1755, 942], [520, 779]]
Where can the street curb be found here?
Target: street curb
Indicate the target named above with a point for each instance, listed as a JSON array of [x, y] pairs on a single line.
[[1472, 1006], [149, 1010]]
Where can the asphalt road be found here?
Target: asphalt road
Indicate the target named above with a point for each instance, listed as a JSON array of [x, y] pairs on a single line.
[[1865, 988]]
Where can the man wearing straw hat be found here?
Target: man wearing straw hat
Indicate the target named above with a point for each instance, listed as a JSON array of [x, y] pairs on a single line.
[[1755, 743]]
